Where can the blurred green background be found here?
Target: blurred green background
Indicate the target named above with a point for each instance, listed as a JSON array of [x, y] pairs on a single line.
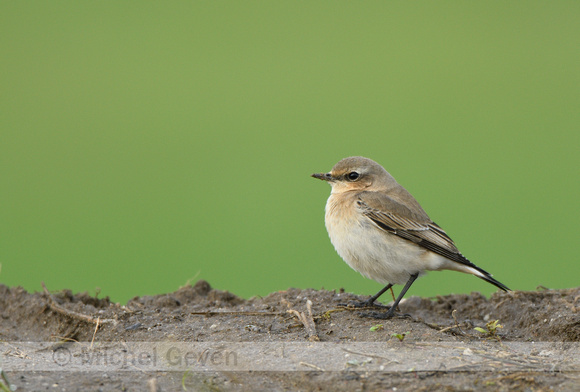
[[143, 144]]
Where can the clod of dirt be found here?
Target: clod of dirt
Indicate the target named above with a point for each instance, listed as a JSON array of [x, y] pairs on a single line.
[[199, 294]]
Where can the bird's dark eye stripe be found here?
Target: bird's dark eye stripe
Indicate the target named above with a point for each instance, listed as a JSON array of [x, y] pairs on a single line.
[[353, 176]]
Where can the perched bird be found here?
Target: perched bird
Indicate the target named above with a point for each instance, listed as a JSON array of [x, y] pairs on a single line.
[[381, 231]]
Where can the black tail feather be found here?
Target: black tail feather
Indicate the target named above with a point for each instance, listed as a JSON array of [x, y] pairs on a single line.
[[494, 282]]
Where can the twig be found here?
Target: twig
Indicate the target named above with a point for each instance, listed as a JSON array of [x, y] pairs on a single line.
[[447, 328], [16, 352], [394, 299], [236, 313], [95, 333], [307, 321], [64, 339], [432, 326], [370, 355], [508, 361], [311, 365], [59, 309], [456, 322], [438, 328], [453, 326]]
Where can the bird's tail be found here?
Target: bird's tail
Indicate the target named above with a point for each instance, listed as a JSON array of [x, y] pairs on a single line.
[[494, 282], [480, 273]]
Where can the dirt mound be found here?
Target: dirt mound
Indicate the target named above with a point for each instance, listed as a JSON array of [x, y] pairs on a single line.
[[547, 315], [201, 315], [198, 296]]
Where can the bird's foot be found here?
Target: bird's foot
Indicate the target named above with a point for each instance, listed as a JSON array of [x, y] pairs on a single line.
[[363, 304], [385, 315]]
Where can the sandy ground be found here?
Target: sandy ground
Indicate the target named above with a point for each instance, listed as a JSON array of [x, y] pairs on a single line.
[[200, 339]]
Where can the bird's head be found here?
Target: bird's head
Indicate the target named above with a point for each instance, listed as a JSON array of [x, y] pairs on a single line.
[[357, 174]]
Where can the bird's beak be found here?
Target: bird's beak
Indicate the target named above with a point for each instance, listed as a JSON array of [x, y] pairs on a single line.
[[323, 176]]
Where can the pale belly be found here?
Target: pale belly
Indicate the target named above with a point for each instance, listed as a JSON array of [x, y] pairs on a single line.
[[377, 254]]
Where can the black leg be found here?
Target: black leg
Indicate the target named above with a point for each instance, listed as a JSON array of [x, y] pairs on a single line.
[[369, 303], [371, 300], [391, 311]]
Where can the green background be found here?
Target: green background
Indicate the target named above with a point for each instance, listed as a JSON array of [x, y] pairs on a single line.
[[143, 144]]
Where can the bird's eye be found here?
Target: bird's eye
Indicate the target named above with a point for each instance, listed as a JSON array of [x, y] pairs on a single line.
[[353, 176]]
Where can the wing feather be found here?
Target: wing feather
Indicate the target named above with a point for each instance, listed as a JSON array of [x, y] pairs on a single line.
[[397, 218], [424, 232]]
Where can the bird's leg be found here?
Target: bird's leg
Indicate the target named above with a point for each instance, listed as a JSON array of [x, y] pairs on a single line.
[[369, 303], [391, 312]]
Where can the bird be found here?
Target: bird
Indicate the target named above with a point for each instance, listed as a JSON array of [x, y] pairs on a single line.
[[381, 231]]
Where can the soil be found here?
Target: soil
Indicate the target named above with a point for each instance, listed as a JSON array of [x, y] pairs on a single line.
[[275, 342]]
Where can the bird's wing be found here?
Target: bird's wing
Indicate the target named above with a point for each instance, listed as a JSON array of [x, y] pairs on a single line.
[[396, 218]]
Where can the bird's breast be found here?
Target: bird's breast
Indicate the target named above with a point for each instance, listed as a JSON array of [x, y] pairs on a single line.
[[374, 253]]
